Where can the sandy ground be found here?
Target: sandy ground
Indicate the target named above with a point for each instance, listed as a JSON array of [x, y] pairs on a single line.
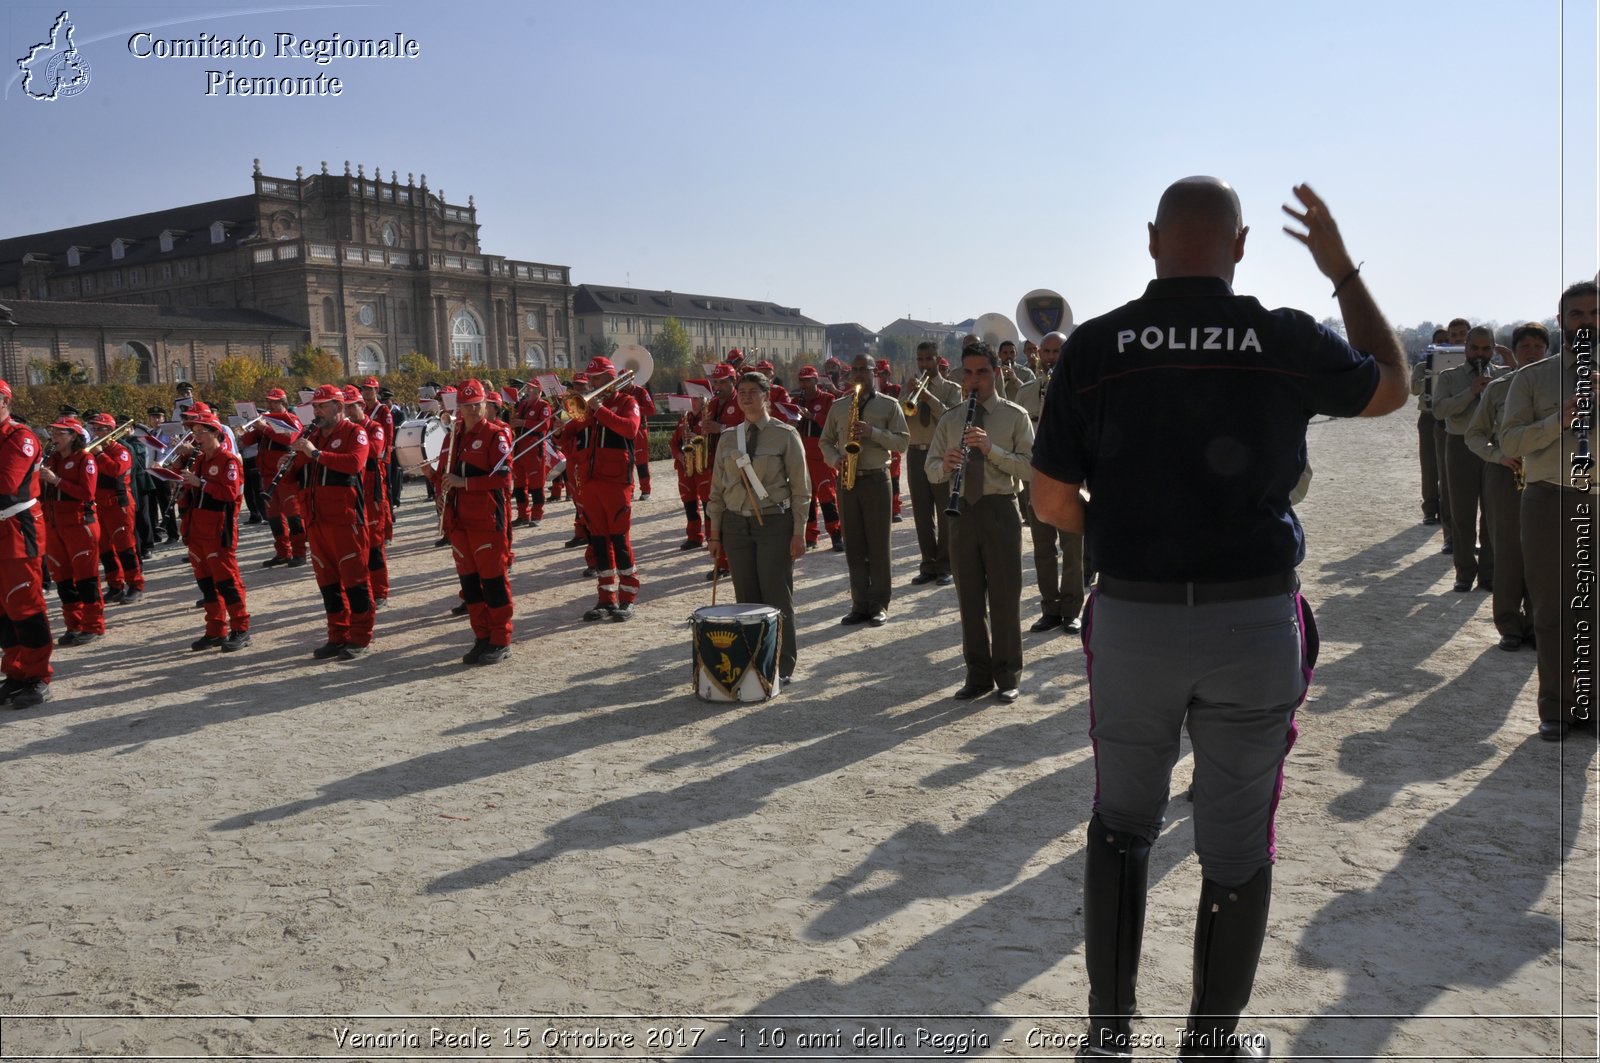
[[571, 850]]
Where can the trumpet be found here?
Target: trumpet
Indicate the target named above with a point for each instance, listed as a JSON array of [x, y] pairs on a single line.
[[166, 459], [110, 437], [852, 445], [909, 403]]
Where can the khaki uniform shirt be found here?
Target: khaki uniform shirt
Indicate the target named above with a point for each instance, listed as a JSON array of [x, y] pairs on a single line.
[[941, 395], [882, 414], [1483, 430], [1531, 425], [1009, 463], [1419, 384], [1030, 396], [780, 464], [1453, 400]]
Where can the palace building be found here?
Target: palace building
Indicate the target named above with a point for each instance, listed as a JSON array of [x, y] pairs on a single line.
[[367, 269]]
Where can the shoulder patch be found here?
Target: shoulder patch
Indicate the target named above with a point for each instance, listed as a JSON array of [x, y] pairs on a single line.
[[361, 437], [27, 446]]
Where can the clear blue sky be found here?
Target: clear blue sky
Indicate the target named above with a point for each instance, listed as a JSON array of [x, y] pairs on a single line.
[[871, 159]]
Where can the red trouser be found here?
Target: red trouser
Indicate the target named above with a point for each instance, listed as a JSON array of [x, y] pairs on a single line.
[[378, 560], [608, 510], [824, 493], [480, 556], [894, 481], [287, 524], [216, 571], [528, 482], [73, 552], [25, 623], [119, 550], [694, 492], [339, 562]]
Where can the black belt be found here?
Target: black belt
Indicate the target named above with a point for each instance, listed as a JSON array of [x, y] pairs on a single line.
[[207, 502], [1127, 590]]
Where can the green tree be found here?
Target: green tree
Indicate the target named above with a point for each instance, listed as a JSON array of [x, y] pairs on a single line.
[[315, 365], [672, 351], [602, 346], [63, 373], [417, 364]]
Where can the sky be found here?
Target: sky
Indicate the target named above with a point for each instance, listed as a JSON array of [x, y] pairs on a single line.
[[876, 159]]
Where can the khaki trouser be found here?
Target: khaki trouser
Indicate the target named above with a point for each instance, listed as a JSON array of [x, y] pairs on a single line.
[[1442, 459], [1551, 521], [1464, 471], [1502, 507], [928, 501], [864, 520], [763, 570], [986, 555], [1060, 581]]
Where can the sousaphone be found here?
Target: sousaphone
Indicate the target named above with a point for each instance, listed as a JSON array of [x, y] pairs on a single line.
[[637, 358], [1042, 312], [995, 329]]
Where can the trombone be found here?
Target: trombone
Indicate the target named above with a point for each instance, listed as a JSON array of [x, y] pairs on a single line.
[[110, 437]]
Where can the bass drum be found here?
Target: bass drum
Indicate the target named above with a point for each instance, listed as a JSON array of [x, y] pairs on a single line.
[[419, 442], [735, 651]]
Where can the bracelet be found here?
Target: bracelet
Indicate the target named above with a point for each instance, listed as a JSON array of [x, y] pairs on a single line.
[[1348, 277]]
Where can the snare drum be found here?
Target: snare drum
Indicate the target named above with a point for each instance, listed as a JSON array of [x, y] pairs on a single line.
[[735, 650], [419, 442]]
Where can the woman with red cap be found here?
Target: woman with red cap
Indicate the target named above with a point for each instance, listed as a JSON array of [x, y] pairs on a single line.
[[72, 532], [24, 617], [475, 482], [329, 458], [114, 501], [217, 480]]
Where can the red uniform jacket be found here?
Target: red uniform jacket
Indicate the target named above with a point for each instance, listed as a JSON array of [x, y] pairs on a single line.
[[375, 473], [383, 418], [221, 487], [481, 454], [19, 457], [608, 438], [114, 468], [330, 483], [814, 412], [70, 502], [272, 442]]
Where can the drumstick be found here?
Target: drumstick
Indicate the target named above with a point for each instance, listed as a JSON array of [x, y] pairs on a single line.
[[716, 578]]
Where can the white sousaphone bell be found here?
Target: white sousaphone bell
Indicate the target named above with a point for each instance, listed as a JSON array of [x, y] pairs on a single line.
[[632, 356], [1042, 312]]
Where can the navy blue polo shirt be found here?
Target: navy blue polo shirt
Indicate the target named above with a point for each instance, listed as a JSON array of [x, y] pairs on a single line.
[[1184, 412]]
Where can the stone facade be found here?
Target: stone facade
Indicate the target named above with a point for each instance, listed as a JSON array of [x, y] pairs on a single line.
[[715, 323]]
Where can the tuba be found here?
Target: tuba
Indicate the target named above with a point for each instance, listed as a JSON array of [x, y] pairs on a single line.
[[632, 358], [852, 445]]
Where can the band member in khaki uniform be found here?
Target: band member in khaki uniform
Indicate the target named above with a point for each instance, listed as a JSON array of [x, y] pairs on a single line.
[[1502, 500], [1455, 396], [1060, 581], [1013, 374], [928, 499], [1427, 456], [1455, 336], [1538, 426], [864, 506], [986, 539], [761, 536]]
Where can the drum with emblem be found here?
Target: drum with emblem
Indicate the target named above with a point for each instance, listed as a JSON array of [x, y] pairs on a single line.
[[419, 442], [735, 651]]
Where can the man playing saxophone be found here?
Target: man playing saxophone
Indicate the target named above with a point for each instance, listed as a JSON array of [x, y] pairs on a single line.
[[877, 427]]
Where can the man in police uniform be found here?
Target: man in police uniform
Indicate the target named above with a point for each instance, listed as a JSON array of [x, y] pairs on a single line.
[[1198, 623], [1558, 508], [929, 497], [1060, 582], [864, 507], [1455, 397], [986, 539]]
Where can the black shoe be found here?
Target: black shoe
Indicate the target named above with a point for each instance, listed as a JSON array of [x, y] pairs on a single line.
[[1430, 520], [690, 544], [493, 654], [711, 575], [9, 688], [379, 603], [645, 497], [1073, 626], [1046, 623], [327, 651], [1553, 730], [34, 693], [459, 610], [297, 562], [1447, 548], [274, 562], [131, 595], [350, 653], [623, 612], [236, 640], [922, 577], [472, 655], [1486, 587], [788, 680], [145, 555], [973, 690], [1462, 586], [207, 642], [590, 572], [70, 638], [878, 619], [201, 604], [86, 637], [1009, 694], [896, 519], [254, 519], [1511, 643], [576, 540], [838, 546], [811, 546], [945, 580], [852, 618], [443, 540], [599, 612], [113, 597]]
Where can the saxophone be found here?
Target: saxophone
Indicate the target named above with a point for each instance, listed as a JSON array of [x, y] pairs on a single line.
[[852, 445]]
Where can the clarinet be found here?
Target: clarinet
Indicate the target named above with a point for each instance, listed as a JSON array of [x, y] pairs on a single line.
[[958, 478], [288, 459]]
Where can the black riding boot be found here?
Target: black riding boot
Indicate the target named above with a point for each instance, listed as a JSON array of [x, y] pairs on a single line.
[[1228, 935], [1115, 878]]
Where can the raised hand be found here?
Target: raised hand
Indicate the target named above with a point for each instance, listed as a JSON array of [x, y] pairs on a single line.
[[1321, 234]]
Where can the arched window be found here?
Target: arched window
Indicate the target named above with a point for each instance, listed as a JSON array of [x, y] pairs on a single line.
[[147, 361], [330, 317], [466, 338], [369, 360], [533, 358]]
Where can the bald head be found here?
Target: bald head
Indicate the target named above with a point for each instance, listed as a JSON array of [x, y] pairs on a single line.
[[1199, 229]]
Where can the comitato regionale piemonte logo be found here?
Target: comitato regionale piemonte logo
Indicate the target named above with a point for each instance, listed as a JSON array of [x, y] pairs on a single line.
[[55, 69]]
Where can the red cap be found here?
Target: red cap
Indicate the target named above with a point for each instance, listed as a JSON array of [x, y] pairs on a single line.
[[600, 365], [328, 393], [352, 395], [469, 392], [736, 355], [277, 395], [371, 382], [448, 389], [832, 361], [211, 423], [104, 420], [579, 379], [722, 372], [808, 372], [70, 424], [5, 390], [882, 365], [944, 363], [766, 366]]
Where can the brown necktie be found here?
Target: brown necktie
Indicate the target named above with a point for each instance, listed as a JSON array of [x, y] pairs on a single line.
[[750, 440], [972, 486]]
